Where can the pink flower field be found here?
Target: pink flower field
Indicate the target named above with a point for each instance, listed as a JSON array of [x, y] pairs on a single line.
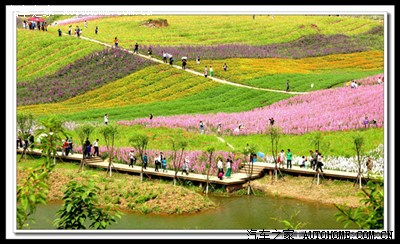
[[324, 110]]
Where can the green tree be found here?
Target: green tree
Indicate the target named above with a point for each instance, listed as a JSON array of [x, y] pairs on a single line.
[[34, 189], [247, 151], [275, 134], [83, 131], [208, 154], [110, 133], [140, 141], [25, 122], [317, 141], [370, 214], [359, 143], [178, 144], [79, 208], [293, 222]]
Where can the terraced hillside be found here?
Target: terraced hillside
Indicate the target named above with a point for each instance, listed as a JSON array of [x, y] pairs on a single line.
[[228, 29], [317, 54], [43, 53]]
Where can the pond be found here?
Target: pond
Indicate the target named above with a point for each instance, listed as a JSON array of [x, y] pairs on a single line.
[[233, 213]]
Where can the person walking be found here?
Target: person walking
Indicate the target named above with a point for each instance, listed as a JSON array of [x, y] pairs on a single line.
[[281, 158], [164, 164], [219, 127], [157, 161], [183, 63], [145, 160], [116, 42], [78, 31], [96, 148], [211, 71], [225, 67], [70, 30], [220, 167], [205, 71], [228, 167], [70, 145], [319, 163], [106, 119], [59, 32], [136, 50], [315, 160], [288, 159], [132, 158], [287, 85], [164, 55], [185, 166], [96, 30], [201, 127]]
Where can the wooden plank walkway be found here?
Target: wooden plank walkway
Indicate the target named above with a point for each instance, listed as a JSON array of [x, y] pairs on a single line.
[[260, 169]]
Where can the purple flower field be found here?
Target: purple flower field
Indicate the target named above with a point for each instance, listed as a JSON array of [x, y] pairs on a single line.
[[307, 46], [87, 73], [336, 109], [79, 19]]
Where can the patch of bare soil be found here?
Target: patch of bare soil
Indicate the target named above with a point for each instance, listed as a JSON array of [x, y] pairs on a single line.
[[156, 23]]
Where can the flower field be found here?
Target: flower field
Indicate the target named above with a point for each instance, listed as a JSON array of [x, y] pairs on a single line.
[[85, 74], [325, 110], [306, 46], [43, 53], [81, 81], [160, 90], [227, 29], [334, 69]]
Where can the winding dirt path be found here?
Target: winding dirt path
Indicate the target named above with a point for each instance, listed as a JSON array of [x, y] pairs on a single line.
[[192, 71]]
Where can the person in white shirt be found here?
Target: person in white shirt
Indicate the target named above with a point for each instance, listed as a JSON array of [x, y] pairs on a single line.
[[157, 162], [132, 158], [220, 167], [96, 147], [185, 167], [106, 119]]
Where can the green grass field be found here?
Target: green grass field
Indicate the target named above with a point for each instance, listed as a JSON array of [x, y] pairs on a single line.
[[222, 29]]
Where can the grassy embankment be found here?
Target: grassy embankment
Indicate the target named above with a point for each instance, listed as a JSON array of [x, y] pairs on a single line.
[[123, 190], [127, 194]]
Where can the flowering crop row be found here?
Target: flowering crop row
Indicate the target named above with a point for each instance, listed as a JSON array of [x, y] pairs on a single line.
[[79, 19], [246, 69], [43, 53], [325, 110], [306, 46], [151, 84], [230, 29], [87, 73]]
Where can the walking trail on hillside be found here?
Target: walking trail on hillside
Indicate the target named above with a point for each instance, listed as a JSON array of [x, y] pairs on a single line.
[[193, 71]]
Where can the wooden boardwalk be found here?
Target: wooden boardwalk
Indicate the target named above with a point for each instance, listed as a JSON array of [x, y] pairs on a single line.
[[236, 179]]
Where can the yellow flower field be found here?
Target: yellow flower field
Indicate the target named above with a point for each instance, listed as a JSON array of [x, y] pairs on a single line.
[[155, 83]]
